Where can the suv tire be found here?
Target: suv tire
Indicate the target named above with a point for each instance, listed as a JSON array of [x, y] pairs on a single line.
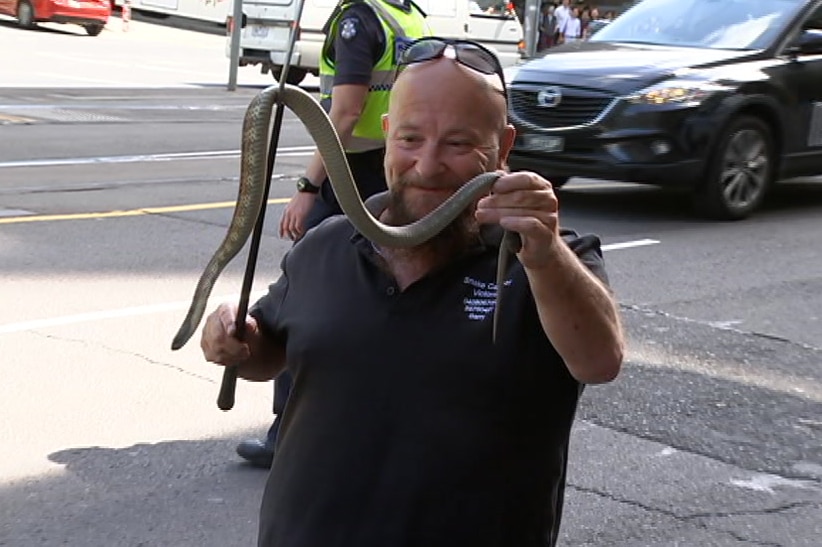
[[740, 171]]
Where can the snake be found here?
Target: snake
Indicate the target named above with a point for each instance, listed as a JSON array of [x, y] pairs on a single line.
[[250, 198]]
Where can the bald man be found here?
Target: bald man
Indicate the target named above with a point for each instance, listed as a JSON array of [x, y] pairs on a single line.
[[457, 441]]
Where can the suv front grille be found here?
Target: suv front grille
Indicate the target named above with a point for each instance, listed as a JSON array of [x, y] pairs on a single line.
[[577, 106]]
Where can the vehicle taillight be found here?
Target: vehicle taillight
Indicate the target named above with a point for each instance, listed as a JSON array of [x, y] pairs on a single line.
[[229, 25]]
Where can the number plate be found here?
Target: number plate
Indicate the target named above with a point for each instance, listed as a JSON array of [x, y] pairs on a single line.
[[543, 143], [259, 32]]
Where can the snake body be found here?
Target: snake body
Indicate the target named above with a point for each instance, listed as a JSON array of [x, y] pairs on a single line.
[[253, 162]]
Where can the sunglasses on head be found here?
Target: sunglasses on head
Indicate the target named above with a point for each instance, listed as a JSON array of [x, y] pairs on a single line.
[[466, 52]]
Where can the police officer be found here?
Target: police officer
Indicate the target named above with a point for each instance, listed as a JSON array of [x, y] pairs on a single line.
[[364, 40]]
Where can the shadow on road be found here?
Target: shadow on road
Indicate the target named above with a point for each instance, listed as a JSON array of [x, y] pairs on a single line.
[[654, 205], [190, 493], [181, 493]]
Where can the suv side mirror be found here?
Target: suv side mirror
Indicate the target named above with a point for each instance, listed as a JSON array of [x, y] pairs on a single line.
[[809, 42]]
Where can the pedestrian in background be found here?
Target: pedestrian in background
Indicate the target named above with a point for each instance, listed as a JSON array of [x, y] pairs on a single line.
[[547, 27]]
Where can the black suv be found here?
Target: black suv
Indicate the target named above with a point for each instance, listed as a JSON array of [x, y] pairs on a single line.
[[720, 96]]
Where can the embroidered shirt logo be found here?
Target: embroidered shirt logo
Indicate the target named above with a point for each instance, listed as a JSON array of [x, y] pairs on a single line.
[[348, 28], [481, 298]]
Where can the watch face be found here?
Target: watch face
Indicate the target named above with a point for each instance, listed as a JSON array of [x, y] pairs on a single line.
[[303, 185]]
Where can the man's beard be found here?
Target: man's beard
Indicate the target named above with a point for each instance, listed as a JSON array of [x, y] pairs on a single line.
[[457, 236]]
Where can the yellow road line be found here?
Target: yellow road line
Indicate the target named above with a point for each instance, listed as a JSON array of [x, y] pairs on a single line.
[[130, 213]]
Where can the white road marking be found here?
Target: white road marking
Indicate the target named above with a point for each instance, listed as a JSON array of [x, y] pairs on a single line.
[[171, 306], [109, 314], [118, 64], [33, 108], [14, 213], [725, 324], [55, 77], [629, 244], [767, 483], [288, 151]]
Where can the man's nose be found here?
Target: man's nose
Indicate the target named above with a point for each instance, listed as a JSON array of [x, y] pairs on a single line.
[[429, 161]]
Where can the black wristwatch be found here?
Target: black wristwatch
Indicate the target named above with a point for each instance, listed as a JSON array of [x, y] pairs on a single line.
[[305, 185]]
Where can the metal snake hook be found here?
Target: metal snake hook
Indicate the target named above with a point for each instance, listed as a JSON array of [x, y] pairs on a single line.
[[228, 385]]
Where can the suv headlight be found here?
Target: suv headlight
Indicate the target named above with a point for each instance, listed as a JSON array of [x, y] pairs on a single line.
[[675, 92]]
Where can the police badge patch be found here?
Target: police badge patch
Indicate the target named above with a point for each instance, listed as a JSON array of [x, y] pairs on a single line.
[[348, 28]]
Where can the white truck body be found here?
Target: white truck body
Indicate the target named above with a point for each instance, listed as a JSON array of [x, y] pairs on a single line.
[[266, 27]]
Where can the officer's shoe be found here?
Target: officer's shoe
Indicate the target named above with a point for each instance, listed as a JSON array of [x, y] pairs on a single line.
[[258, 453]]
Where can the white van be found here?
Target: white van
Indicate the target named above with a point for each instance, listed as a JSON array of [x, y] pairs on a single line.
[[266, 28]]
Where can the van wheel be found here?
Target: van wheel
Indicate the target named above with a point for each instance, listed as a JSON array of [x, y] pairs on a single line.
[[93, 29], [25, 14], [295, 75], [739, 173]]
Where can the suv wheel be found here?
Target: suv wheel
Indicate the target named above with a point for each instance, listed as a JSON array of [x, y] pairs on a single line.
[[25, 14], [739, 173], [295, 75], [93, 29]]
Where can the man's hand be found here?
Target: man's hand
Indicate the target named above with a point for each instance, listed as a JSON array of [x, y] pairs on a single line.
[[574, 306], [219, 342], [525, 203], [292, 224]]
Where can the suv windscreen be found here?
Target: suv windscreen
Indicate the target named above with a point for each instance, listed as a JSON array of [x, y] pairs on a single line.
[[716, 24]]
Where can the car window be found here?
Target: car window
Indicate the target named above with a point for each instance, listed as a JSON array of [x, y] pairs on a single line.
[[492, 8], [811, 24], [718, 24], [814, 21]]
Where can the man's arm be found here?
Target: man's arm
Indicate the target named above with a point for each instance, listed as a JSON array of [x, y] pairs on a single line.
[[357, 46], [355, 52], [577, 311], [578, 314], [347, 102]]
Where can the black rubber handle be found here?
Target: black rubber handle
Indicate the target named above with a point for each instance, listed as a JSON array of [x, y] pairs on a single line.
[[225, 400]]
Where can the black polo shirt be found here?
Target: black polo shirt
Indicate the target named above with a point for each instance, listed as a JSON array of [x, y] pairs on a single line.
[[406, 425]]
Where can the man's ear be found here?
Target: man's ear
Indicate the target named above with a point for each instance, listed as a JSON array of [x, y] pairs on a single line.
[[506, 142], [385, 123]]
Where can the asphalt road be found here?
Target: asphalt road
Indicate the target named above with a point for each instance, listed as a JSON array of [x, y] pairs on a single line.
[[118, 170]]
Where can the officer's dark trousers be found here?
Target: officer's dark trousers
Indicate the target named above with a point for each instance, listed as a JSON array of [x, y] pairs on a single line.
[[369, 173]]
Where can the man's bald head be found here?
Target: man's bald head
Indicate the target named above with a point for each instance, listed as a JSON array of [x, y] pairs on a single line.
[[445, 79]]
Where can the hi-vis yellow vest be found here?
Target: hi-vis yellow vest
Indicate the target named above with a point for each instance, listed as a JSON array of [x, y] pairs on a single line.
[[400, 28]]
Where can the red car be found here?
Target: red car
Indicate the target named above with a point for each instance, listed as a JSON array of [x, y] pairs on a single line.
[[92, 15]]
